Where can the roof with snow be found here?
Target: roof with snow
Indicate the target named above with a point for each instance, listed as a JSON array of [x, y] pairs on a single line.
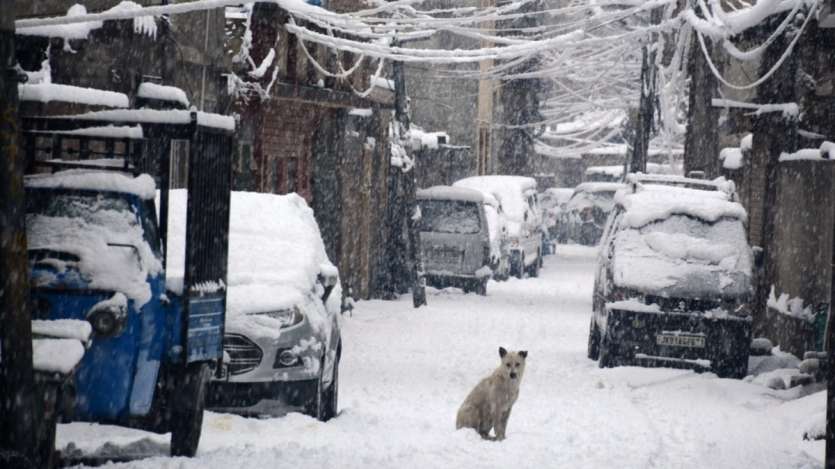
[[450, 193], [509, 190], [657, 202], [95, 180], [593, 187], [48, 92]]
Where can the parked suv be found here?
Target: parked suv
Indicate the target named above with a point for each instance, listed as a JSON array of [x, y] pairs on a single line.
[[455, 239], [518, 198], [673, 282], [282, 343], [586, 212]]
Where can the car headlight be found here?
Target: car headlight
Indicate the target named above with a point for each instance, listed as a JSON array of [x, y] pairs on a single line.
[[108, 318], [287, 317]]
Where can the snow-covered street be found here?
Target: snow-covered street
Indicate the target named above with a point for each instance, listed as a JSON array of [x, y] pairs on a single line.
[[405, 372]]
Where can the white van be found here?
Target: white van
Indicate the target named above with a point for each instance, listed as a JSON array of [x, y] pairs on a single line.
[[518, 199]]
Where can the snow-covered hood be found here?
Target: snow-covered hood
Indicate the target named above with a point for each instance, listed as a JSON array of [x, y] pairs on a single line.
[[106, 253]]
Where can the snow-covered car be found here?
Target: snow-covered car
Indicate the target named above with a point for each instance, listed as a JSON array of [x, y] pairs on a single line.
[[673, 282], [282, 342], [585, 213], [518, 199], [552, 203], [455, 238]]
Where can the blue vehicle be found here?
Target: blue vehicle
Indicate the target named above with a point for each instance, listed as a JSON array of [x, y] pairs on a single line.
[[97, 248]]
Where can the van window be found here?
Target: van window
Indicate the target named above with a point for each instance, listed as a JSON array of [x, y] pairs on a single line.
[[449, 216]]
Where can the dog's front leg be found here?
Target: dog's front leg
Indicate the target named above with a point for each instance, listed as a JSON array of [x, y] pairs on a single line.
[[501, 424]]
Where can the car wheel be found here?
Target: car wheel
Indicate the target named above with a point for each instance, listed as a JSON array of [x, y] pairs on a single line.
[[481, 287], [533, 270], [331, 401], [735, 368], [315, 403], [188, 403], [606, 353], [593, 351]]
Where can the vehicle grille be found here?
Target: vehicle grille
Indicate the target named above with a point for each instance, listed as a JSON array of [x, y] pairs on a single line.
[[244, 355]]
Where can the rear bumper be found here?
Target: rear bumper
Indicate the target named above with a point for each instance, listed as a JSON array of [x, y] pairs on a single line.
[[448, 279], [633, 338]]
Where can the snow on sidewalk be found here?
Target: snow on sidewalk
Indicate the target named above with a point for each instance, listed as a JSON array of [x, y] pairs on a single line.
[[405, 372]]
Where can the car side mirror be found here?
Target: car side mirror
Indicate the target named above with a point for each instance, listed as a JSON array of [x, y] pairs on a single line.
[[328, 278]]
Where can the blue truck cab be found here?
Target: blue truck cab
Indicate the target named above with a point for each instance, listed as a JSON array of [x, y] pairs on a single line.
[[97, 239]]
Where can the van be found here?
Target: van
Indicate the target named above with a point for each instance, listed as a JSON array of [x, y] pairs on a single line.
[[518, 198], [455, 238]]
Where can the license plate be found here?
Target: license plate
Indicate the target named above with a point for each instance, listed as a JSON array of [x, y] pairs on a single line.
[[692, 341]]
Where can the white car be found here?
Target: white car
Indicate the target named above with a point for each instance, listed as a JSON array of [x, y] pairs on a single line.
[[518, 199], [282, 342]]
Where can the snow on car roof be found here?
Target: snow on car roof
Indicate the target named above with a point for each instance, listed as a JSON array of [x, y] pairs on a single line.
[[142, 186], [156, 116], [450, 193], [509, 190], [276, 251], [657, 202], [599, 187]]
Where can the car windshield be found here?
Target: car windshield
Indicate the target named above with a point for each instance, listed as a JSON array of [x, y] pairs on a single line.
[[695, 241], [449, 216], [602, 199], [98, 209]]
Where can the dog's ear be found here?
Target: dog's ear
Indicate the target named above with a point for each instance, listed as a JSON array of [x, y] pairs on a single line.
[[523, 354], [502, 352]]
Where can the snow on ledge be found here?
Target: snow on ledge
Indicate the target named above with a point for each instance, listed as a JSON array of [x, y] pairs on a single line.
[[63, 329], [162, 93], [47, 92], [56, 355], [142, 186], [826, 152], [155, 116]]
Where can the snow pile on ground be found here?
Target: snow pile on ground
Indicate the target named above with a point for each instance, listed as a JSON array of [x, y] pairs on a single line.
[[162, 93], [404, 373], [101, 231], [276, 254], [47, 92]]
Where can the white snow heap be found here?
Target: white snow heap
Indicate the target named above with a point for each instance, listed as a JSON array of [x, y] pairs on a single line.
[[785, 304], [276, 253], [419, 138], [83, 179], [47, 92], [100, 229], [509, 190], [731, 158], [450, 193], [141, 25], [162, 93], [63, 329], [56, 355], [826, 152]]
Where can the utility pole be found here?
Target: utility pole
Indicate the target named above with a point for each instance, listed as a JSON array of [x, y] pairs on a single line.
[[408, 202], [646, 109], [17, 403], [484, 118]]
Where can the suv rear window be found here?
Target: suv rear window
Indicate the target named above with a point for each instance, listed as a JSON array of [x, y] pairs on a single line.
[[449, 216]]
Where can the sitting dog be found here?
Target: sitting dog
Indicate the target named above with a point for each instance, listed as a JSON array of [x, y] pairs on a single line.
[[488, 405]]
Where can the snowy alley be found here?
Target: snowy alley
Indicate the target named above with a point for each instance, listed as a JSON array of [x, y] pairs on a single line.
[[406, 371]]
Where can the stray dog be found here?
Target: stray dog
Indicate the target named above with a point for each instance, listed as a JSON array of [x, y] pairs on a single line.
[[488, 405]]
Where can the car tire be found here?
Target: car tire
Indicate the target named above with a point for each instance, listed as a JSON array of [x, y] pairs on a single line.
[[533, 270], [734, 368], [314, 405], [593, 350], [481, 287], [606, 353], [331, 397], [188, 403]]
